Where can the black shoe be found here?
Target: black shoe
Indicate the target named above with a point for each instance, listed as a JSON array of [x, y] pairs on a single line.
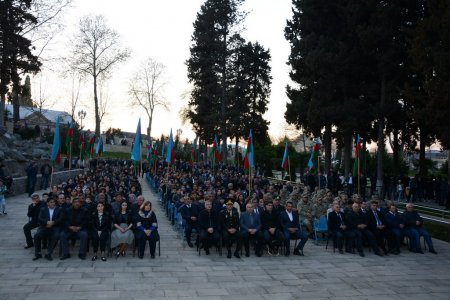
[[420, 251], [350, 251], [48, 257], [36, 257], [103, 258], [94, 258], [341, 251], [82, 257], [432, 251], [44, 247], [247, 254], [141, 256], [28, 246], [258, 254], [378, 253], [229, 254], [236, 254], [287, 253], [207, 251], [361, 253], [66, 256], [296, 252], [152, 256], [190, 245]]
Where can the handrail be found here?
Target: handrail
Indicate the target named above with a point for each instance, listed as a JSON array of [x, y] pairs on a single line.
[[444, 213]]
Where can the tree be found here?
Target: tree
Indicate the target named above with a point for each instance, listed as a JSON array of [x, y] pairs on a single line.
[[96, 51], [209, 66], [15, 50], [146, 89], [26, 93]]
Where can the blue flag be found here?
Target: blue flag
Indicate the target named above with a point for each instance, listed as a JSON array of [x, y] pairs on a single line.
[[136, 149]]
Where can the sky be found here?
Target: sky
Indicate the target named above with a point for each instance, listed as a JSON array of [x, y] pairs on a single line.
[[162, 29]]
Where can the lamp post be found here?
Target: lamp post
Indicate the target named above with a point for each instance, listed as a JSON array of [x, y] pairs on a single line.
[[81, 115]]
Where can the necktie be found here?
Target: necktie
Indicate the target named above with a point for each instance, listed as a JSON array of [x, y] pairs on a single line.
[[251, 220], [376, 217], [340, 218]]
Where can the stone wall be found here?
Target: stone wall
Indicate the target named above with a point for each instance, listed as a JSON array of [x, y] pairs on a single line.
[[20, 183]]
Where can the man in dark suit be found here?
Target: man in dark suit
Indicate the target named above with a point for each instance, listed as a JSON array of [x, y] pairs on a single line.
[[251, 228], [75, 227], [396, 228], [33, 215], [414, 227], [229, 224], [258, 210], [357, 221], [377, 225], [277, 207], [208, 225], [50, 219], [340, 230], [273, 237], [290, 225], [189, 212]]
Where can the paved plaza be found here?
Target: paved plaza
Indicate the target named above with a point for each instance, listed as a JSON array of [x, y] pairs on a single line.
[[181, 273]]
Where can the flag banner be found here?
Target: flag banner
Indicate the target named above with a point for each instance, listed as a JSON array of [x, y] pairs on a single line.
[[358, 147], [56, 147], [250, 154], [170, 157], [69, 139], [215, 150], [315, 153], [136, 147], [100, 148], [284, 163]]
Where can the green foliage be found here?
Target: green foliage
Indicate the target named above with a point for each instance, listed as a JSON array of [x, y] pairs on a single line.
[[111, 133], [27, 133], [388, 165]]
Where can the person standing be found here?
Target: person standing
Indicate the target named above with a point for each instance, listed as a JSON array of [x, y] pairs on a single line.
[[46, 171], [3, 190], [31, 171]]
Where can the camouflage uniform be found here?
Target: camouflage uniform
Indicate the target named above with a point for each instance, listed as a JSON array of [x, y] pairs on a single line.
[[305, 210]]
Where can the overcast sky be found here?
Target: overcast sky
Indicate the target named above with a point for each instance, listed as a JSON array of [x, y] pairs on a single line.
[[162, 29]]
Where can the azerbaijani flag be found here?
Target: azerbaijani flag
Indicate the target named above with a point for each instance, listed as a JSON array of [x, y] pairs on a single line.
[[312, 163], [215, 150], [358, 147], [69, 139], [100, 147], [284, 163], [82, 145], [170, 157], [91, 143], [249, 161], [136, 148], [56, 148]]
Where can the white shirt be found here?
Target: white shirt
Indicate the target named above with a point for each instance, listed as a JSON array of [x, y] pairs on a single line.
[[290, 215], [50, 212]]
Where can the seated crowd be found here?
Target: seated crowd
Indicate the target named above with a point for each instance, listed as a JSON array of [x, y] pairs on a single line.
[[220, 206], [102, 206]]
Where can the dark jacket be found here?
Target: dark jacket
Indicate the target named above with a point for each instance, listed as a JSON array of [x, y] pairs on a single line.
[[104, 225], [145, 222], [44, 216], [228, 221], [33, 212], [250, 221], [334, 222], [208, 219], [410, 219], [286, 223], [355, 219], [393, 221], [188, 212], [270, 220], [373, 221], [77, 218]]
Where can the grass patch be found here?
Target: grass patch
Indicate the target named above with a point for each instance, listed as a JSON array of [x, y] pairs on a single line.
[[438, 231]]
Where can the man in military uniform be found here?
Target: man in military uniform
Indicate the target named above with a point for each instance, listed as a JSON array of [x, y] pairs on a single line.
[[284, 194], [319, 207], [294, 197], [229, 222], [304, 209]]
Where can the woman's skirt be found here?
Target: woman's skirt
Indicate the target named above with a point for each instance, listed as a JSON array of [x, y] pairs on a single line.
[[117, 237]]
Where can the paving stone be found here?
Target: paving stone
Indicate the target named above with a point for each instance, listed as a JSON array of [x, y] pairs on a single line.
[[179, 273]]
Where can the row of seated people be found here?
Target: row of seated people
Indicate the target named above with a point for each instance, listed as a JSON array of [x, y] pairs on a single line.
[[270, 227], [97, 222], [377, 226]]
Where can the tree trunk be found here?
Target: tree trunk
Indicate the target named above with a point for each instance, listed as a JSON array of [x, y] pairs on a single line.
[[396, 152], [327, 144], [381, 145], [150, 121], [236, 150], [347, 152], [363, 156], [422, 159], [15, 102], [97, 115], [224, 100]]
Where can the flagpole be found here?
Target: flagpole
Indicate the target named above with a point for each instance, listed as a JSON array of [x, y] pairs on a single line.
[[318, 170], [359, 179], [70, 155], [79, 161], [51, 180], [140, 161], [289, 163]]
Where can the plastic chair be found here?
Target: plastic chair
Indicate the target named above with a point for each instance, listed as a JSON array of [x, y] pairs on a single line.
[[320, 226]]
